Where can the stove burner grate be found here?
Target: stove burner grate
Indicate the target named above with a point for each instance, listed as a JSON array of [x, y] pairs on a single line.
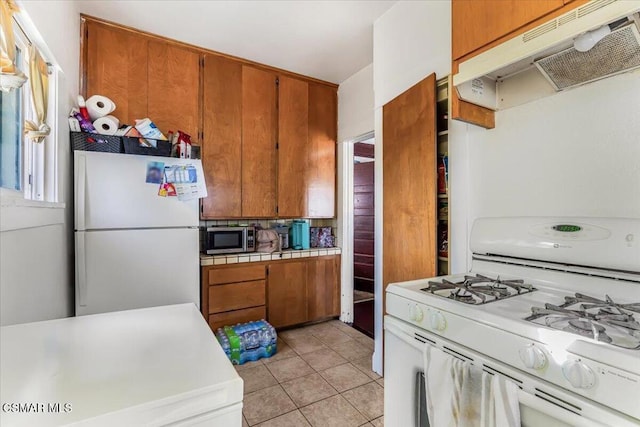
[[602, 320], [478, 289]]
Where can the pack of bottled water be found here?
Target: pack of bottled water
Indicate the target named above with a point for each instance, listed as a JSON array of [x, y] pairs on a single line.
[[247, 341]]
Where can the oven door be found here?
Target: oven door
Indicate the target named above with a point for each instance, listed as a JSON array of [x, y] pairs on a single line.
[[226, 240], [540, 404]]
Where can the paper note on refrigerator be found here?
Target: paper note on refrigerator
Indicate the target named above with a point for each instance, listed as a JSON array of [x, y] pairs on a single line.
[[187, 179]]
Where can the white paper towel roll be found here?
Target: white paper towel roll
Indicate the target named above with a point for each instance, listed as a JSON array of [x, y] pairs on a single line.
[[99, 106], [107, 125]]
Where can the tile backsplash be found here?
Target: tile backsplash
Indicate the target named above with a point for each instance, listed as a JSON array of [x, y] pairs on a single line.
[[266, 223]]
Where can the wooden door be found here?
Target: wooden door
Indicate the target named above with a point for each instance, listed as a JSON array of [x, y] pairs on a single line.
[[222, 142], [174, 88], [410, 184], [363, 224], [323, 287], [116, 67], [479, 22], [293, 134], [259, 138], [321, 167], [287, 293]]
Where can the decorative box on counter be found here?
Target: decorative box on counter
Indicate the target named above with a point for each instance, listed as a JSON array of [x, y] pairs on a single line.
[[321, 237]]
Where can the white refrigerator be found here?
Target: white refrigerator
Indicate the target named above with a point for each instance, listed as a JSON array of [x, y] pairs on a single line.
[[134, 248]]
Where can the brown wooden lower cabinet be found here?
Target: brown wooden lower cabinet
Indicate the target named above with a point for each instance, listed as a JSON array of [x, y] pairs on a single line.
[[323, 296], [219, 320], [234, 296], [285, 293], [287, 301]]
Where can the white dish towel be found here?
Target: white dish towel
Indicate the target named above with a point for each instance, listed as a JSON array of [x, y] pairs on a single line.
[[460, 394]]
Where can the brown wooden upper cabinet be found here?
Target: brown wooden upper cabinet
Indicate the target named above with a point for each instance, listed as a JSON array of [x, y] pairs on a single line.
[[323, 133], [307, 121], [476, 23], [293, 153], [222, 142], [115, 65], [239, 144], [174, 88], [268, 136], [259, 133], [143, 76]]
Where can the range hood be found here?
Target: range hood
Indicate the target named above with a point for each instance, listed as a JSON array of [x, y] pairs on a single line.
[[591, 42]]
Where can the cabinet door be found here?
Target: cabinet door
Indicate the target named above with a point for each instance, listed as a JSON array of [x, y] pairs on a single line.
[[323, 287], [479, 22], [174, 81], [293, 130], [321, 169], [259, 131], [222, 142], [287, 293], [410, 184], [116, 67]]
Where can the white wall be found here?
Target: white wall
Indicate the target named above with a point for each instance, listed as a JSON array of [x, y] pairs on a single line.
[[355, 118], [410, 41], [356, 105], [575, 153], [36, 251]]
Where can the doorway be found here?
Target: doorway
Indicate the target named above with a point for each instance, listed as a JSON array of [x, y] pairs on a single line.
[[363, 236]]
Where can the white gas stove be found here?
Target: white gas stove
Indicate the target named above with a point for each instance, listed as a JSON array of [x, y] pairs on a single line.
[[552, 303]]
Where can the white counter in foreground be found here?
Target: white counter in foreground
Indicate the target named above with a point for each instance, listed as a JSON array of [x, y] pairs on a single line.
[[153, 366]]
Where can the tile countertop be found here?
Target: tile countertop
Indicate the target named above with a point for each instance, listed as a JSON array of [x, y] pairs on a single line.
[[257, 256]]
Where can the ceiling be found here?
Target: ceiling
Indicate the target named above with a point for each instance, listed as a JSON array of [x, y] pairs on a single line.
[[328, 40]]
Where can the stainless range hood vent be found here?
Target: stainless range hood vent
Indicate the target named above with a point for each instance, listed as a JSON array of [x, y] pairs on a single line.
[[543, 61], [616, 53]]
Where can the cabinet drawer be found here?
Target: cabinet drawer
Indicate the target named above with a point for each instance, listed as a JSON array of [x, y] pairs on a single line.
[[234, 296], [237, 316], [218, 276]]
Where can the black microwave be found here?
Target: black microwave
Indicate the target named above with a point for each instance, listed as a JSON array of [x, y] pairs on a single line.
[[229, 240]]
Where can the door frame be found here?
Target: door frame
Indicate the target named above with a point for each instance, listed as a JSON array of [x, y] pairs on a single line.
[[346, 223]]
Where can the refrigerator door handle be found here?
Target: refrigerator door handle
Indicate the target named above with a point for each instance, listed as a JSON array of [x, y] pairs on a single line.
[[80, 202], [81, 270]]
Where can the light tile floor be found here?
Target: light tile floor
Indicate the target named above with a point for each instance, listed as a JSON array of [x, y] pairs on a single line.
[[320, 376]]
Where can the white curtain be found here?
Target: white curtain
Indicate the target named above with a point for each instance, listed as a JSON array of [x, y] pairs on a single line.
[[7, 41], [39, 79], [10, 76]]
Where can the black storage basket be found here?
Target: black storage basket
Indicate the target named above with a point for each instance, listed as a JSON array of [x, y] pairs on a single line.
[[84, 141], [132, 146]]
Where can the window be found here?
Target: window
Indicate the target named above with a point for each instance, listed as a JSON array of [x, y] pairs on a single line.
[[11, 137], [26, 166]]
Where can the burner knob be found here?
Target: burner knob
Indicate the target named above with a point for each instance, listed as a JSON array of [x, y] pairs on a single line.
[[533, 357], [415, 313], [578, 374], [437, 321]]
